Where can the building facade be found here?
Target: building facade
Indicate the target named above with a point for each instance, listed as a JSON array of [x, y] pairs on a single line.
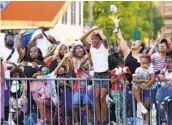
[[165, 8], [70, 25]]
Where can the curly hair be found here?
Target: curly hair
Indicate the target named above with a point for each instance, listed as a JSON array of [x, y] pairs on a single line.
[[17, 70], [83, 49]]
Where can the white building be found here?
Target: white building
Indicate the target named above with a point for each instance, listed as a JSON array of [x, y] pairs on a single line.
[[70, 25]]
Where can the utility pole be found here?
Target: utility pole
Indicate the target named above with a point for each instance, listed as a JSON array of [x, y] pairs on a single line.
[[151, 20], [90, 16]]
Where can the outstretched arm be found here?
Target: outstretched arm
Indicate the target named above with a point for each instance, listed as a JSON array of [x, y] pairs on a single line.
[[61, 63], [19, 44], [123, 45], [103, 37], [33, 42], [84, 36]]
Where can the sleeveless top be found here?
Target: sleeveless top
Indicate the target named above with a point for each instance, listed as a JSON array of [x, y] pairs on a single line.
[[99, 58]]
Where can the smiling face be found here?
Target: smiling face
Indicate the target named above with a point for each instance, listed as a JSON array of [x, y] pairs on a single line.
[[162, 47], [63, 50], [79, 51], [95, 39], [61, 71], [136, 45]]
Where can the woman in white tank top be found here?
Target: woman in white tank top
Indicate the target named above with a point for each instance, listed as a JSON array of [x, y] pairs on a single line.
[[99, 54]]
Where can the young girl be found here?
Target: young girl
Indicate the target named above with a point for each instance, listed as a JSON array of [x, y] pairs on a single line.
[[18, 97], [118, 74], [142, 80], [165, 76], [81, 67], [99, 54], [48, 93], [63, 111]]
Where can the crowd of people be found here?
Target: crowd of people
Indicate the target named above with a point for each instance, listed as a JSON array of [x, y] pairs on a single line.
[[60, 100]]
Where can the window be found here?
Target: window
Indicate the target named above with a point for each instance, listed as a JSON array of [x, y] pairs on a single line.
[[168, 26], [79, 12], [167, 35], [73, 13], [167, 2], [168, 17], [64, 18], [167, 8]]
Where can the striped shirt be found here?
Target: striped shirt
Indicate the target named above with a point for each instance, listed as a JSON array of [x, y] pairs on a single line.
[[158, 62]]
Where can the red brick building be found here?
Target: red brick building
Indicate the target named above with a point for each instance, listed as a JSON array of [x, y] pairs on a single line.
[[165, 8]]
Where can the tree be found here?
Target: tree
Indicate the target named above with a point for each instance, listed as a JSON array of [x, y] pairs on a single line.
[[129, 12]]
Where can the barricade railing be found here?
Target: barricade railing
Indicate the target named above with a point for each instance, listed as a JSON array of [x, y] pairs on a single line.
[[59, 107], [160, 107]]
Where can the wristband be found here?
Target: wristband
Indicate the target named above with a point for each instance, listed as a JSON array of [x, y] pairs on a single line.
[[116, 30]]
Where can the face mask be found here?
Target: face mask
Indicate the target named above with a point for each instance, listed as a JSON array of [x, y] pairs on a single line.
[[45, 72]]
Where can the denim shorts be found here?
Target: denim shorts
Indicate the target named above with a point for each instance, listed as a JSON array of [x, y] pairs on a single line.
[[102, 84], [80, 96], [150, 95]]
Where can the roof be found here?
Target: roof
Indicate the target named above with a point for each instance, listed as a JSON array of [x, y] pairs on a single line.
[[31, 14]]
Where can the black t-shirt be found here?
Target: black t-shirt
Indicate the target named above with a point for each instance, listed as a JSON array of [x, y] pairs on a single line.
[[133, 64], [28, 70], [113, 60], [53, 65]]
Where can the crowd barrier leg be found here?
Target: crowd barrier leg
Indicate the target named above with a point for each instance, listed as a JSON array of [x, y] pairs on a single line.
[[109, 106], [124, 103], [94, 102], [134, 107]]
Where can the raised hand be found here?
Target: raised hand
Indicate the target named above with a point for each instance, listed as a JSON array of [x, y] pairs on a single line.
[[10, 62], [22, 64], [22, 32], [95, 27], [35, 65], [153, 43], [39, 36], [116, 21]]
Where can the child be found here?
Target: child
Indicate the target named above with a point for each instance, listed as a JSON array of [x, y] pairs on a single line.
[[166, 89], [18, 97], [118, 74], [81, 95], [165, 76], [46, 91], [142, 80], [98, 47], [63, 111]]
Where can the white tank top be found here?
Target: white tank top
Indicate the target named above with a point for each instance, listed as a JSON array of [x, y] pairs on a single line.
[[99, 58]]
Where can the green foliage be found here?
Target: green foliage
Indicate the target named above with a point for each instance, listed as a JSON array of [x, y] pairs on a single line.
[[129, 12]]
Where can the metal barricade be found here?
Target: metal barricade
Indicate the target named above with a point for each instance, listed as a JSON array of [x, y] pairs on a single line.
[[154, 119], [43, 106]]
